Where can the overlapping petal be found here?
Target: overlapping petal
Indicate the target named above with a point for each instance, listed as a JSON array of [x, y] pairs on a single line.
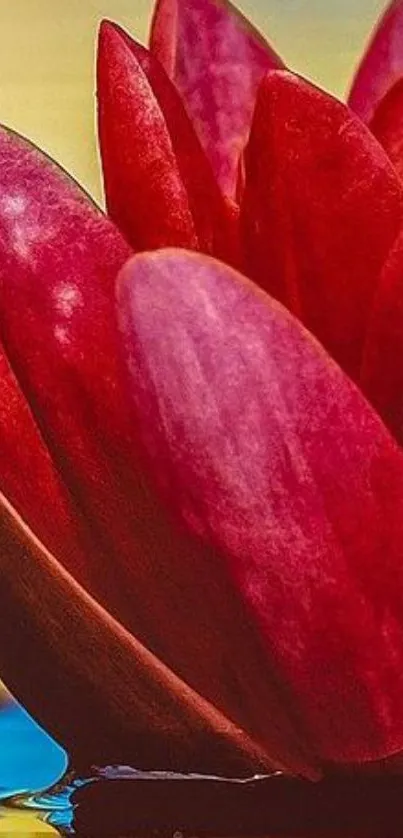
[[387, 125], [92, 684], [321, 209], [58, 261], [382, 64], [261, 444], [217, 59], [160, 189], [31, 482], [382, 368]]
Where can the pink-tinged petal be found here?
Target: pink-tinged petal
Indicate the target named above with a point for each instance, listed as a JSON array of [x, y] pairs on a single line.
[[261, 444], [322, 206], [58, 260], [101, 694], [382, 368], [382, 64], [216, 59], [159, 187], [54, 244], [30, 481], [387, 125]]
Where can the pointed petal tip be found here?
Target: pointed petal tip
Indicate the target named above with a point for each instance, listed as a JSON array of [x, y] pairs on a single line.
[[106, 26], [110, 34], [166, 12], [113, 39], [109, 29], [381, 64], [164, 19], [107, 36], [216, 57]]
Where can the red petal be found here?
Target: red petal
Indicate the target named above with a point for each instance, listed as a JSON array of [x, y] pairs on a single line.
[[261, 444], [160, 189], [217, 59], [58, 262], [322, 207], [100, 693], [387, 125], [30, 481], [382, 369], [57, 314], [382, 64]]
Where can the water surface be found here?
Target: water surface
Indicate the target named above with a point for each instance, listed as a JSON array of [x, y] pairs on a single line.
[[30, 762]]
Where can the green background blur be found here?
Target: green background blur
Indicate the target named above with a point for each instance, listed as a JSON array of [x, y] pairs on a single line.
[[47, 57]]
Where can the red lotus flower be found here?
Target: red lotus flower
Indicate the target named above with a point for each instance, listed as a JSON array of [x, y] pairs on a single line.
[[202, 541]]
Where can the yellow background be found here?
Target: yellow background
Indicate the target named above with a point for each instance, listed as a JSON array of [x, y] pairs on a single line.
[[47, 58]]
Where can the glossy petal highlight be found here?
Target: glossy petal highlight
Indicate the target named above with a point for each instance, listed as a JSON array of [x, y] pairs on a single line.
[[217, 59], [261, 444], [318, 190]]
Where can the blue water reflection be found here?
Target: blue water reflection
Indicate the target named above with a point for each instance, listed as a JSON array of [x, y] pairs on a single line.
[[29, 759]]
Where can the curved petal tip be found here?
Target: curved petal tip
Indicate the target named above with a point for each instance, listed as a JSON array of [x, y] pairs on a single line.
[[382, 63]]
